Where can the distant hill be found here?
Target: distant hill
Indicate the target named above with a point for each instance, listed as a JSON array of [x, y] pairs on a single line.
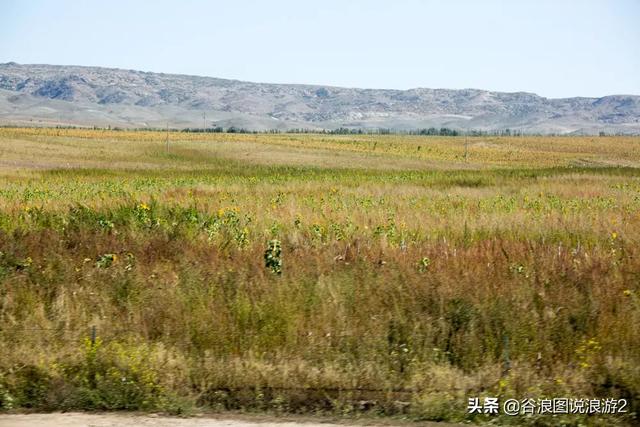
[[92, 96]]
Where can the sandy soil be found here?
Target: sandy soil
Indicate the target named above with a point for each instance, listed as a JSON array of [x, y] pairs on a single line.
[[77, 419]]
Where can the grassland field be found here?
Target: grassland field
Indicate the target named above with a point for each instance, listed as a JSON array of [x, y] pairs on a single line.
[[352, 275]]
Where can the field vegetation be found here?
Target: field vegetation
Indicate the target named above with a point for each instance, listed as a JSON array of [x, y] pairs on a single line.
[[340, 274]]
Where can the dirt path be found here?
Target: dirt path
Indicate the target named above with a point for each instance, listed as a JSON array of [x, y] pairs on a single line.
[[77, 419]]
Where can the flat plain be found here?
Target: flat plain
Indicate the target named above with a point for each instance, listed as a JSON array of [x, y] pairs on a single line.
[[389, 275]]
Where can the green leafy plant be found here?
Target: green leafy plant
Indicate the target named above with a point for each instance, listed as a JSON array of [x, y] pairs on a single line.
[[106, 260], [272, 256], [423, 264]]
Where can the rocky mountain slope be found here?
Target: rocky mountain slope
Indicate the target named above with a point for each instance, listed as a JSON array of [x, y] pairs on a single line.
[[74, 95]]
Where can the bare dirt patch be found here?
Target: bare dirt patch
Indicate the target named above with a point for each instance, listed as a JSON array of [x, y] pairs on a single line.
[[78, 419]]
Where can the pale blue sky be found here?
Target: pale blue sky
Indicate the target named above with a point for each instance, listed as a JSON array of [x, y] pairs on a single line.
[[555, 48]]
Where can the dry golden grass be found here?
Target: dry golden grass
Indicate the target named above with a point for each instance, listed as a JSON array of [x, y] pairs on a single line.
[[408, 275], [51, 148]]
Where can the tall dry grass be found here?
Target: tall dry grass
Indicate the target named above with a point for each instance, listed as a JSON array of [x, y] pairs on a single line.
[[401, 292]]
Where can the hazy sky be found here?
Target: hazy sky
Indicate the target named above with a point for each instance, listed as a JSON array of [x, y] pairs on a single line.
[[555, 48]]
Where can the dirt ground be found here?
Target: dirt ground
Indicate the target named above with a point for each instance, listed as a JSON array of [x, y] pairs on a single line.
[[77, 419]]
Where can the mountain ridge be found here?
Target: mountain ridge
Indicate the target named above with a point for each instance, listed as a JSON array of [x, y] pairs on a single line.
[[45, 94]]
